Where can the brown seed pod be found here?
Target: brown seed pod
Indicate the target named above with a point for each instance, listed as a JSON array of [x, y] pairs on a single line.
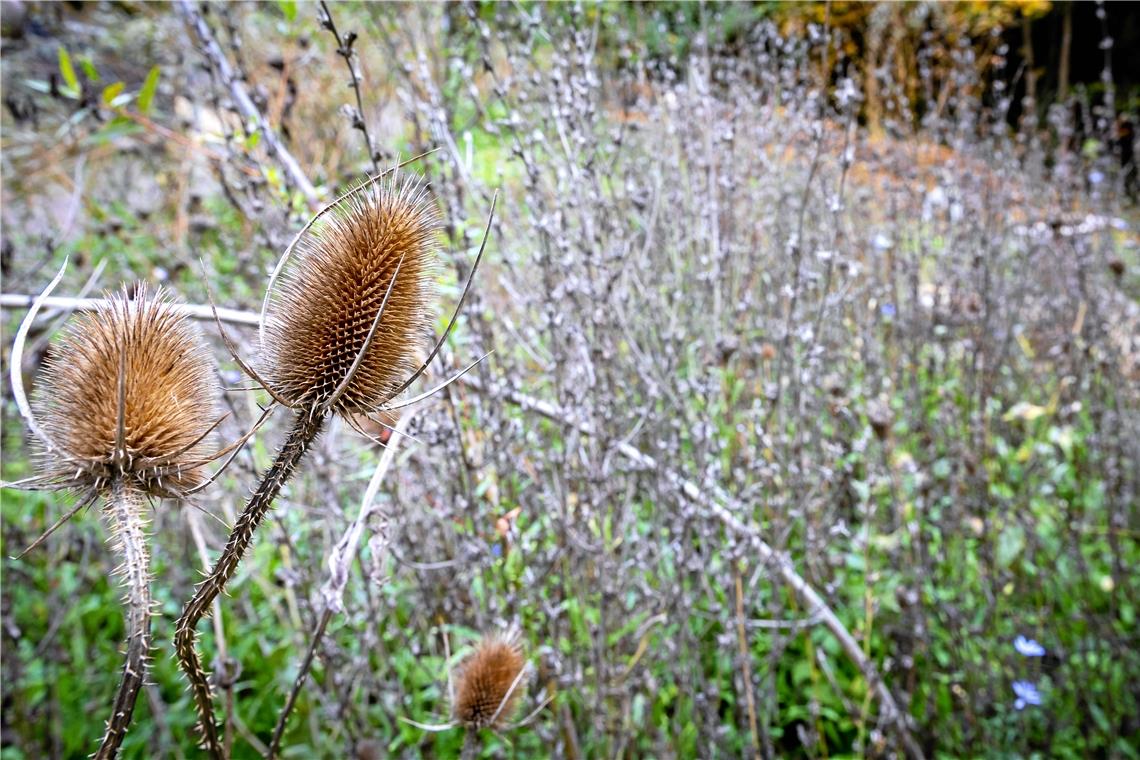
[[488, 683], [344, 333], [124, 405], [129, 393], [330, 298]]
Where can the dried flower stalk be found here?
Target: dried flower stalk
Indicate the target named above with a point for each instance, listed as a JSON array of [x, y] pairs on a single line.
[[341, 335], [121, 415]]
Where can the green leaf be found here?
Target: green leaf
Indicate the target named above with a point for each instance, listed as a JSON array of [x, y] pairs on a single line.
[[1101, 719], [288, 9], [146, 94], [111, 91], [89, 69], [1128, 614], [67, 71]]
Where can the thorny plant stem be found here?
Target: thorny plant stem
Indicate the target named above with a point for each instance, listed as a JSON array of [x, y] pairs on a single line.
[[471, 745], [305, 430], [126, 511], [339, 563]]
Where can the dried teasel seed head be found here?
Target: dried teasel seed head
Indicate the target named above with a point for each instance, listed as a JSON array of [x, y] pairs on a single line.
[[319, 320], [489, 683], [129, 392]]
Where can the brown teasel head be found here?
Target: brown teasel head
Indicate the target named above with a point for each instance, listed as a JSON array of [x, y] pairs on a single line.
[[319, 320], [488, 684], [128, 393]]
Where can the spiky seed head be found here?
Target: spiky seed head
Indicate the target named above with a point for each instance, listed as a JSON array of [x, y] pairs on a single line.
[[169, 392], [484, 680], [319, 320]]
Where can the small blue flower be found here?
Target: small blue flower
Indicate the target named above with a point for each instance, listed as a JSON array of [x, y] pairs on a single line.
[[1028, 647], [888, 310], [1027, 694], [497, 550]]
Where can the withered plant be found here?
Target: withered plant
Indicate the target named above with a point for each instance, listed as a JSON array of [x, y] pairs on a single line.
[[121, 415], [485, 689], [341, 335], [488, 683]]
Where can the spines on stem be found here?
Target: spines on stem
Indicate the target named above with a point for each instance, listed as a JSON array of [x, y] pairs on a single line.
[[126, 511], [305, 430]]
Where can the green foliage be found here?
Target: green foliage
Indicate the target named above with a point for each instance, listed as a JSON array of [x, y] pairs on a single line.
[[67, 72], [1043, 503], [146, 93], [288, 9]]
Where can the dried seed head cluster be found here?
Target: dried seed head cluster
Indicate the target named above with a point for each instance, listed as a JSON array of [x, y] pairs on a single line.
[[128, 393], [320, 320], [488, 684]]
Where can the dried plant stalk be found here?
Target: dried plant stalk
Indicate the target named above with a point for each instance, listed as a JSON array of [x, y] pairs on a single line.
[[340, 336], [124, 408], [126, 511]]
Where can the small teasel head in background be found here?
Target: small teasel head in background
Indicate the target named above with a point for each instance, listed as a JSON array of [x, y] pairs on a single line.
[[486, 689], [489, 683], [121, 414]]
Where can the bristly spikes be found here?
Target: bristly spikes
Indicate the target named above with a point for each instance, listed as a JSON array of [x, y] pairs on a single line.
[[126, 510], [129, 392], [124, 406], [488, 684], [319, 322]]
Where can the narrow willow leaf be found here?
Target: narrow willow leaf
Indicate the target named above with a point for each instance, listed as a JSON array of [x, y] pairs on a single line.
[[146, 94], [67, 70]]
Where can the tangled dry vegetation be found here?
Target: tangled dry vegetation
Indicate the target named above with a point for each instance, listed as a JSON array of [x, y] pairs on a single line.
[[788, 432]]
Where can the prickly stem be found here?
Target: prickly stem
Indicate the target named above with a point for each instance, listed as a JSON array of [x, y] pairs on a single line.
[[305, 429], [126, 510], [471, 744]]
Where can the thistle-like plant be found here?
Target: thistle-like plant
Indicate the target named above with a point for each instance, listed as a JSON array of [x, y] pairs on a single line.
[[485, 689], [120, 415], [488, 683], [340, 335]]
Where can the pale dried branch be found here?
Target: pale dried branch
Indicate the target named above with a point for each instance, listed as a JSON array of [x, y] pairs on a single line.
[[243, 101]]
